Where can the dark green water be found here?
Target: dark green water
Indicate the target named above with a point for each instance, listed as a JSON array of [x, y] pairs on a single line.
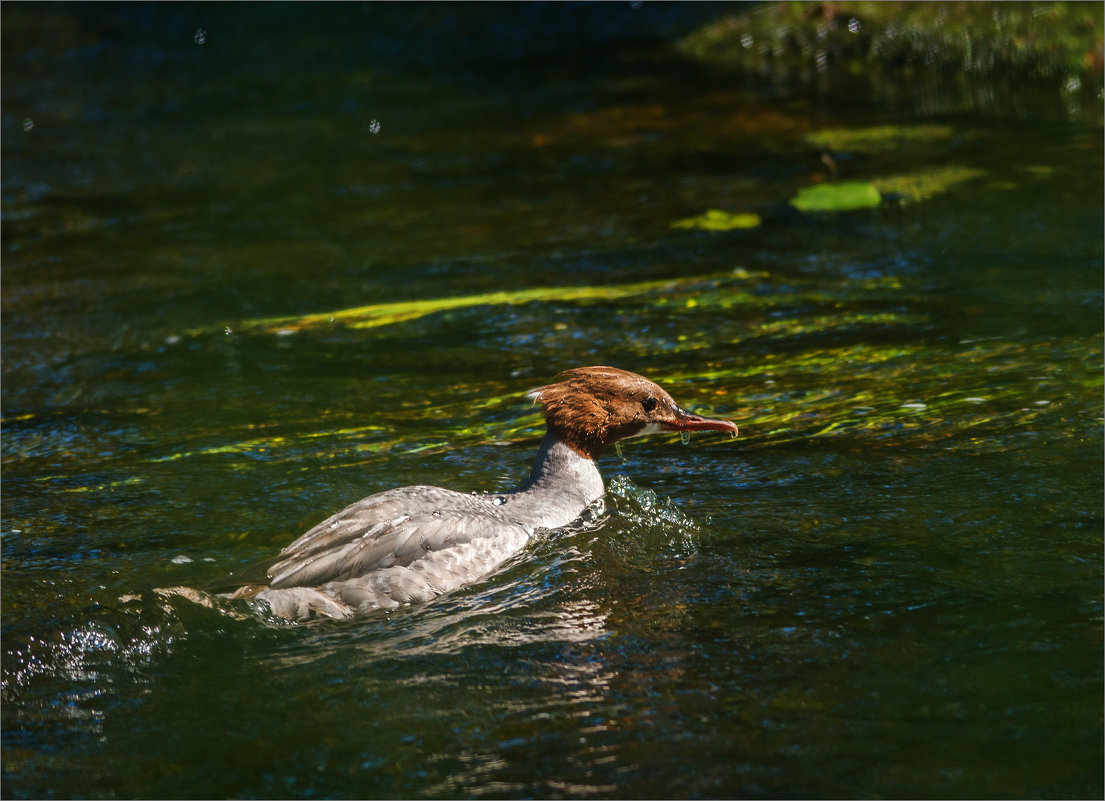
[[889, 586]]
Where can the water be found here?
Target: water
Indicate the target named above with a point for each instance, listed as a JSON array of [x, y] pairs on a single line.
[[889, 585]]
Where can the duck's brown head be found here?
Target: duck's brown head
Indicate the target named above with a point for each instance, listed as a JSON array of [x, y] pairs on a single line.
[[590, 408]]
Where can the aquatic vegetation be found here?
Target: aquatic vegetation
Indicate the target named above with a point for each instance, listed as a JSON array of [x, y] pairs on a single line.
[[842, 196], [797, 387], [380, 314], [913, 187], [905, 143], [718, 220], [881, 138]]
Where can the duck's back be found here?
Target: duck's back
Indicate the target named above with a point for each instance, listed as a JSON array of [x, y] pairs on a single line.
[[405, 545]]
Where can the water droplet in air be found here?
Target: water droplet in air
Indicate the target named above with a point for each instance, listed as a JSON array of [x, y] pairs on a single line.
[[499, 501], [200, 36], [28, 124], [374, 127], [685, 437]]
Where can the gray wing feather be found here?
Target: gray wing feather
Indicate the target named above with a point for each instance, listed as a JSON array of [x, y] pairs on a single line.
[[377, 532]]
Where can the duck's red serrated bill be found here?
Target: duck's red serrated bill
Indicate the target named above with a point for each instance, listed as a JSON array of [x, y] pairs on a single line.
[[685, 421]]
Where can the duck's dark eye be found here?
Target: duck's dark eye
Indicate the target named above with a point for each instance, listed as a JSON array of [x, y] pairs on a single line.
[[649, 404]]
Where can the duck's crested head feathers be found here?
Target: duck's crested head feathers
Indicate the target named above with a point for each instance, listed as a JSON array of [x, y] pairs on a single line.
[[590, 408]]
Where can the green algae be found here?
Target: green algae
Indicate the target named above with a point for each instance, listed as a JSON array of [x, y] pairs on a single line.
[[906, 187], [890, 43], [842, 196], [920, 185], [791, 391], [880, 138], [718, 220], [381, 314]]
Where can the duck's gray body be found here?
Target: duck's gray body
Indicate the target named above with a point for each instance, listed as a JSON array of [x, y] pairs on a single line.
[[411, 544]]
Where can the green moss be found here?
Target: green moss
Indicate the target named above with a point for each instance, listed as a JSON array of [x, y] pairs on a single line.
[[1057, 44]]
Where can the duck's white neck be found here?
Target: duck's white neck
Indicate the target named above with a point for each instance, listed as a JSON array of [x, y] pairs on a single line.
[[561, 485]]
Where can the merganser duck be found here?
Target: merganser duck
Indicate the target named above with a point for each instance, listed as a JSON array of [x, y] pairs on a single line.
[[411, 544]]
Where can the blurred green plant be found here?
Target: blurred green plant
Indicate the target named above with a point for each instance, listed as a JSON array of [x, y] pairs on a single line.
[[879, 138], [718, 220], [842, 196]]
